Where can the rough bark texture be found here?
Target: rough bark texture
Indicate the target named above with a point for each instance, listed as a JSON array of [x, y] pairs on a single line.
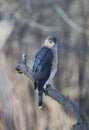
[[67, 104]]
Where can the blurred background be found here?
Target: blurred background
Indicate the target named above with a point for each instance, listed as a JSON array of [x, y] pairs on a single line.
[[24, 25]]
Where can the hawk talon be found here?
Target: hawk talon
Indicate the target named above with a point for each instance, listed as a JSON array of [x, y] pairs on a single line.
[[45, 90]]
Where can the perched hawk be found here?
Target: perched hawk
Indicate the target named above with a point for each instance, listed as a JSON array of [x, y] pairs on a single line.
[[45, 65]]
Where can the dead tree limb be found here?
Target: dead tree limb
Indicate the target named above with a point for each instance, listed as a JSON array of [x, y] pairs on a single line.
[[67, 104]]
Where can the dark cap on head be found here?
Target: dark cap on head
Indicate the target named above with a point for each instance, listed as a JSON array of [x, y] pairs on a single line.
[[52, 38]]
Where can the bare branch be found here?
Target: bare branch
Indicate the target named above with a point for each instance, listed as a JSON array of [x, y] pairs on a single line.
[[68, 20], [69, 106], [37, 25], [59, 97]]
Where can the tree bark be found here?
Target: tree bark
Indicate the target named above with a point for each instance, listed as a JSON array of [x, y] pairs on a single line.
[[67, 104]]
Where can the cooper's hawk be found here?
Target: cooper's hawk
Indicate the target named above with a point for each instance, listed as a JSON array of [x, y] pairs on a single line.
[[45, 65]]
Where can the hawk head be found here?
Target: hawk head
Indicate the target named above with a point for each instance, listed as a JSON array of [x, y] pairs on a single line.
[[51, 41]]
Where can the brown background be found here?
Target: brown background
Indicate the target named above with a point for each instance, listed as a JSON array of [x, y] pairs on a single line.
[[24, 25]]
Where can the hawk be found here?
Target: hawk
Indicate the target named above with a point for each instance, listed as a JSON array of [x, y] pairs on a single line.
[[45, 66]]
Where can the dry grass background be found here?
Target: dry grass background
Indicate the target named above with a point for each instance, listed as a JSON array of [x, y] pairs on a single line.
[[24, 32]]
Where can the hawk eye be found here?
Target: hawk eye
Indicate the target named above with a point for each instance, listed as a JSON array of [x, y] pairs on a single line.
[[50, 41]]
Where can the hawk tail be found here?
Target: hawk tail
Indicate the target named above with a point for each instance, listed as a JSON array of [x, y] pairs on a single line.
[[40, 96]]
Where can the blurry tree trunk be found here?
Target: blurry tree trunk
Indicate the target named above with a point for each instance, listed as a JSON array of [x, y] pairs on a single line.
[[6, 27], [79, 41], [79, 13], [12, 114], [83, 58]]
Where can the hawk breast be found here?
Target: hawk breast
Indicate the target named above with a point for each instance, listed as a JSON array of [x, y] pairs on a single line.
[[43, 63]]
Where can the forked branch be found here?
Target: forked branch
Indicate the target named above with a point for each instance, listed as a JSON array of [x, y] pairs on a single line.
[[67, 104]]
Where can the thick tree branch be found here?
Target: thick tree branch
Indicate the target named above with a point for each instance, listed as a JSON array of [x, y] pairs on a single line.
[[67, 104]]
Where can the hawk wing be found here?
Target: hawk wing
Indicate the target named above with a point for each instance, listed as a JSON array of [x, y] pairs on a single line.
[[42, 66]]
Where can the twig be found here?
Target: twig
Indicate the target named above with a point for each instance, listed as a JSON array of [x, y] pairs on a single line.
[[68, 20], [57, 96], [37, 25]]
